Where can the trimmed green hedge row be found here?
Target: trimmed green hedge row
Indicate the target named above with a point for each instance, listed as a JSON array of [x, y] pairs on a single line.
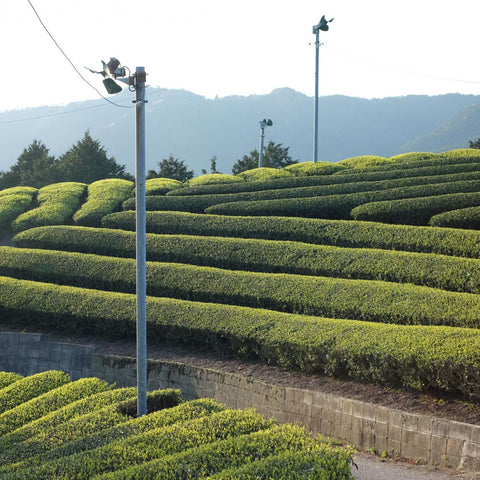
[[213, 179], [307, 169], [11, 206], [27, 388], [104, 197], [147, 446], [96, 427], [419, 357], [374, 301], [414, 211], [341, 233], [43, 404], [7, 378], [415, 170], [468, 218], [284, 452], [419, 159], [198, 203], [290, 466], [263, 173], [439, 271], [93, 439], [160, 186], [46, 426], [58, 202], [31, 191], [337, 206]]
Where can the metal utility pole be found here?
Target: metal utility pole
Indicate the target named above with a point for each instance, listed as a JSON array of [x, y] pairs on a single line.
[[264, 123], [111, 73], [322, 25], [141, 242]]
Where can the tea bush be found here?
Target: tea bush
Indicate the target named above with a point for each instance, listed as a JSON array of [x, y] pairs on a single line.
[[104, 197], [401, 170], [468, 218], [213, 179], [309, 168], [43, 404], [263, 173], [57, 203], [338, 206], [49, 424], [95, 428], [31, 191], [420, 357], [439, 271], [364, 161], [414, 211], [342, 233], [141, 448], [160, 186], [198, 203], [254, 452], [27, 388], [374, 301], [7, 378], [11, 206]]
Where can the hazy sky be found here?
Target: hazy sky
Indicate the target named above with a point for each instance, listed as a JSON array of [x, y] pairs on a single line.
[[375, 48]]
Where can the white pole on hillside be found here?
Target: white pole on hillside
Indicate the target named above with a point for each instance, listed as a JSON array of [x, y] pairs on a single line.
[[264, 123], [111, 72], [322, 25], [141, 242]]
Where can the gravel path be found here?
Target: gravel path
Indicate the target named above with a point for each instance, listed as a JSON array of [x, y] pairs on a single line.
[[371, 468]]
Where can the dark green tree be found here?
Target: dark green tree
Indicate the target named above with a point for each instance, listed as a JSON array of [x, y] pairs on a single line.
[[8, 179], [87, 161], [35, 167], [213, 166], [274, 156], [171, 167], [475, 144]]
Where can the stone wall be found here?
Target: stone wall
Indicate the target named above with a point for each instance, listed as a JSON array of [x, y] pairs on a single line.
[[417, 437]]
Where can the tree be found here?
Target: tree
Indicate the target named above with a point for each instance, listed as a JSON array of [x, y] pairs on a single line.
[[213, 166], [475, 144], [274, 156], [172, 167], [87, 161], [34, 168]]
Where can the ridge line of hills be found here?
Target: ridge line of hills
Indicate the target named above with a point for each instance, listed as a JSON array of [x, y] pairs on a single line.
[[194, 128]]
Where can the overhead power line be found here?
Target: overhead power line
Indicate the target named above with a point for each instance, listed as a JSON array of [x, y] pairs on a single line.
[[71, 63]]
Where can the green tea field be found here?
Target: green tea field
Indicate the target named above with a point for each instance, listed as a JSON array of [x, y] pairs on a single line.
[[368, 269]]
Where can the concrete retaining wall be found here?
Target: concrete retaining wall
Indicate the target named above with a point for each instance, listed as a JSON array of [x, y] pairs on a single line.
[[426, 439]]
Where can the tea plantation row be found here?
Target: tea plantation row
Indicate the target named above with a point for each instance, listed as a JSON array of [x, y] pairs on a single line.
[[420, 357], [322, 196], [84, 429]]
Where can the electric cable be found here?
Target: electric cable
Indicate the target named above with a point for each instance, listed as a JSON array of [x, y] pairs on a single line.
[[71, 63]]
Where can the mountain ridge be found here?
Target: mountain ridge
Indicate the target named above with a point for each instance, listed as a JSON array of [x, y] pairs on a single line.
[[194, 128]]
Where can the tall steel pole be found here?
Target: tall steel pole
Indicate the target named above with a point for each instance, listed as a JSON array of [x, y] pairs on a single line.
[[315, 102], [264, 123], [262, 136], [322, 25], [141, 240]]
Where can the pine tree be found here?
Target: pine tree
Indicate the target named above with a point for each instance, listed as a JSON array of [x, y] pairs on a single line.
[[87, 161]]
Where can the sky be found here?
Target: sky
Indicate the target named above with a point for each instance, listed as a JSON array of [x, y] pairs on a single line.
[[374, 48]]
